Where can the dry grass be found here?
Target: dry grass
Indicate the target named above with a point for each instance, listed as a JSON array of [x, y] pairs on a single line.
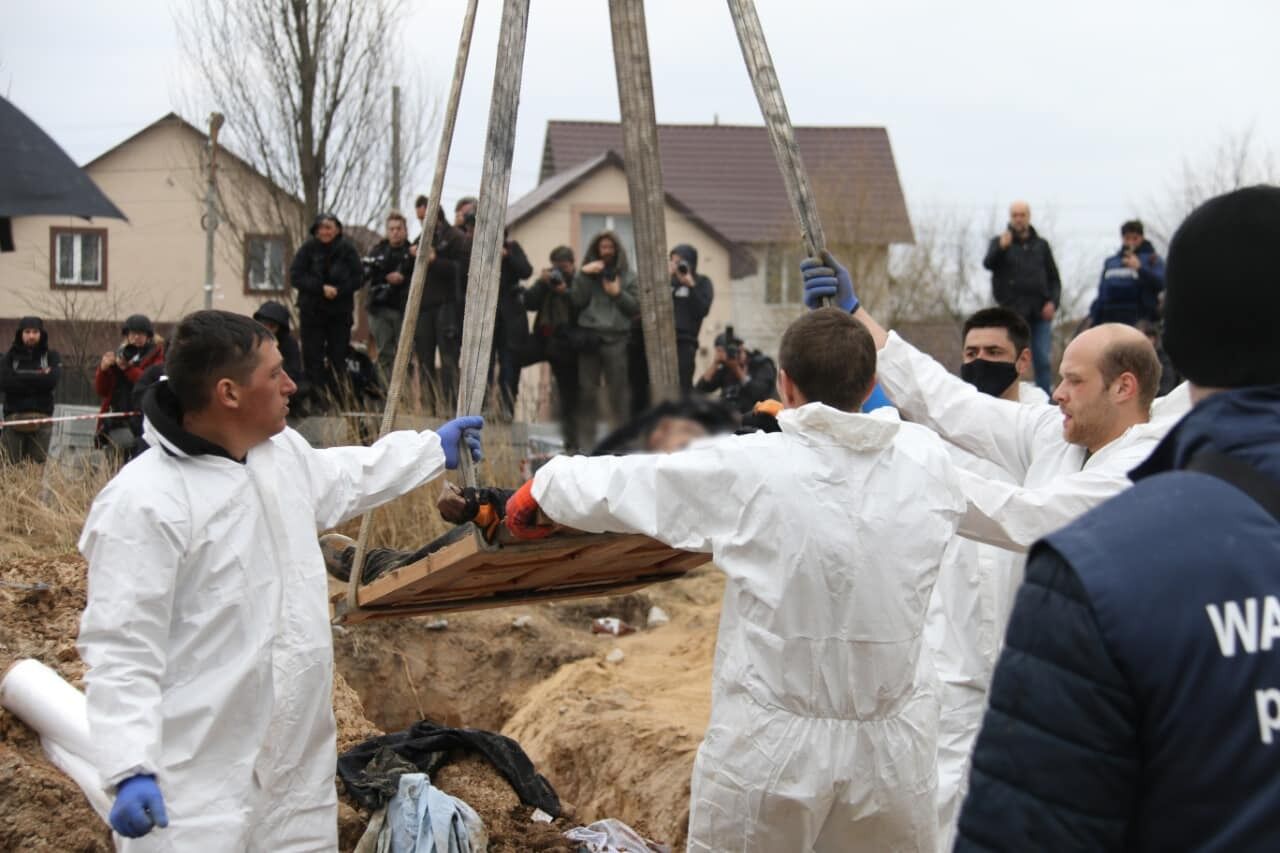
[[43, 508]]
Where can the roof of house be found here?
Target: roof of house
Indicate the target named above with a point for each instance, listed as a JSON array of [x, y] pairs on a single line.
[[175, 119], [728, 174], [742, 262]]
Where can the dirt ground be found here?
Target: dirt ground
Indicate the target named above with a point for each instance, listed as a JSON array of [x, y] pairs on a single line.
[[616, 739]]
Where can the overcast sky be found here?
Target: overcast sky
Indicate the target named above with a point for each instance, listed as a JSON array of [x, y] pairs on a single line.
[[1087, 109]]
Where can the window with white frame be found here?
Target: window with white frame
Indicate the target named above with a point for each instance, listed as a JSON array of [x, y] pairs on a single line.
[[79, 257], [264, 263]]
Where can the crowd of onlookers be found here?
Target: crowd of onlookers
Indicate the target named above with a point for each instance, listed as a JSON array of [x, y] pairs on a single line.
[[582, 319]]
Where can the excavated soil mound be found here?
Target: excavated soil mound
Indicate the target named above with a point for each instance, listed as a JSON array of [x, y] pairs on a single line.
[[619, 738], [471, 673], [41, 809]]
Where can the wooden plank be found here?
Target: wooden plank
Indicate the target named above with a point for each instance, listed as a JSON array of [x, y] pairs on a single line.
[[764, 79], [491, 212], [645, 190], [470, 574], [495, 601]]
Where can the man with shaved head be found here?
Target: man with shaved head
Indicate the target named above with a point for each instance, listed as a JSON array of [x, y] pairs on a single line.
[[1060, 461], [1024, 278]]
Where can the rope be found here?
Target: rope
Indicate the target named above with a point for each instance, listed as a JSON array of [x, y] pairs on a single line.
[[400, 367]]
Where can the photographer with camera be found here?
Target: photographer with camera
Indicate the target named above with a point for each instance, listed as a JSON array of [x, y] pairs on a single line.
[[691, 296], [1132, 281], [743, 377], [388, 268], [605, 294], [552, 341], [1024, 279], [114, 379]]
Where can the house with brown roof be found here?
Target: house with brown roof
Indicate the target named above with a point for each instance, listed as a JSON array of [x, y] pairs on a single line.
[[725, 196], [84, 277]]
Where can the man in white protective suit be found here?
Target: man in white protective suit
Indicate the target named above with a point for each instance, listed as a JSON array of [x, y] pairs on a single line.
[[207, 625], [973, 597], [1025, 471], [824, 709]]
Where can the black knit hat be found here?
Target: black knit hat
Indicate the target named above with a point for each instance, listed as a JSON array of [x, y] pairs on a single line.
[[30, 323], [137, 323], [1222, 296]]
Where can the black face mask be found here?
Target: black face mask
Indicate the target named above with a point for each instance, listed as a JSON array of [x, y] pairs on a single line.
[[989, 377]]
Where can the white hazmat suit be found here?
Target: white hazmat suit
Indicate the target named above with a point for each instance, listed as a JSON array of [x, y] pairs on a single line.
[[824, 708], [207, 630], [1021, 481]]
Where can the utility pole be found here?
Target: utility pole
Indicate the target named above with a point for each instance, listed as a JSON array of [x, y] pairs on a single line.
[[210, 219], [395, 148]]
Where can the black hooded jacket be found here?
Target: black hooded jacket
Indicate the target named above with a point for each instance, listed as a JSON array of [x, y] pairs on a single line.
[[690, 304], [29, 376], [1024, 276], [289, 351], [317, 264]]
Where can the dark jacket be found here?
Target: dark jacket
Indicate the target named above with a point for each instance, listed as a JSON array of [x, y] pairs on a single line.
[[513, 322], [383, 260], [1125, 295], [760, 384], [289, 350], [28, 377], [1024, 276], [445, 283], [690, 304], [597, 310], [1136, 702], [551, 324], [317, 264]]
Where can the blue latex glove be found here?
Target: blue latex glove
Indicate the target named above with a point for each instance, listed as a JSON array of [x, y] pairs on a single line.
[[456, 431], [824, 277], [138, 807]]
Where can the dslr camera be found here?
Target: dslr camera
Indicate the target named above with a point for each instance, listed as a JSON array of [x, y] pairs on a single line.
[[731, 344], [682, 268], [556, 276]]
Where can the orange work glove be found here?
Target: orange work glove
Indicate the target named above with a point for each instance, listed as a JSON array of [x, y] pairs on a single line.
[[523, 515], [768, 407]]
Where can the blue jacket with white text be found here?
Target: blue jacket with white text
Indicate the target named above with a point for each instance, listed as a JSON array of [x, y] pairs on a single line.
[[1136, 705]]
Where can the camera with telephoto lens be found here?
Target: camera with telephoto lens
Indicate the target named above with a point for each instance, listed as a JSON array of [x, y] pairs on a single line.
[[682, 268], [730, 344], [556, 276]]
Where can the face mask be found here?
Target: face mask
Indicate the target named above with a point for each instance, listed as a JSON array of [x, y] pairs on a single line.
[[989, 377]]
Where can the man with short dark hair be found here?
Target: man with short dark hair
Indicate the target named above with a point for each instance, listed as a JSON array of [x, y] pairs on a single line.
[[1024, 279], [552, 336], [29, 375], [997, 353], [830, 532], [389, 267], [1137, 703], [1132, 281], [206, 630]]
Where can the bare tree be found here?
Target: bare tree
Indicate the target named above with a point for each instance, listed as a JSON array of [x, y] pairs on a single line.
[[1238, 160], [306, 89]]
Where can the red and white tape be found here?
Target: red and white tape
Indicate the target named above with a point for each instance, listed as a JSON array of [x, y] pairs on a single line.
[[64, 418]]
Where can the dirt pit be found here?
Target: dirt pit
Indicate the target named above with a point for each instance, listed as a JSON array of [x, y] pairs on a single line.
[[616, 739]]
